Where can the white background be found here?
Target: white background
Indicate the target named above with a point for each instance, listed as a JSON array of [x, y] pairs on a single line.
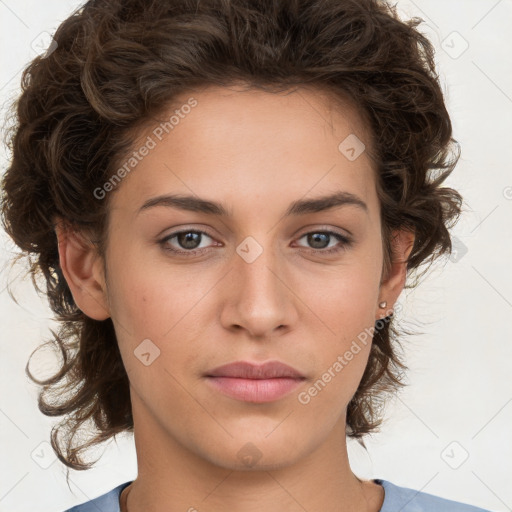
[[459, 381]]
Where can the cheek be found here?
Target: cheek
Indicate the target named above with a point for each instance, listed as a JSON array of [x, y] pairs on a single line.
[[346, 306], [329, 392], [344, 300], [167, 306], [151, 298]]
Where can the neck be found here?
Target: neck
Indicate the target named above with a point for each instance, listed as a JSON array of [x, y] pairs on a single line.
[[174, 479]]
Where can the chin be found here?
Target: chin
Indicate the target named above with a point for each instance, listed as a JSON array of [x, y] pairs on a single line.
[[258, 454]]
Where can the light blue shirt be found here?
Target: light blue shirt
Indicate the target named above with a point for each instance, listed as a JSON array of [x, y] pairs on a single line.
[[396, 499]]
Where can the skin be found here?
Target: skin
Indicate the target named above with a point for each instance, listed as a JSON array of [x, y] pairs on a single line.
[[255, 152]]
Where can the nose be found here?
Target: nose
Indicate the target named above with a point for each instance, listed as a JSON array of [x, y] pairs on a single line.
[[258, 298]]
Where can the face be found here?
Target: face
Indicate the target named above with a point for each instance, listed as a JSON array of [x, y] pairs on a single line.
[[191, 290]]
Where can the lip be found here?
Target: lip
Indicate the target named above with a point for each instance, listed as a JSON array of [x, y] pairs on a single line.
[[255, 383], [246, 370]]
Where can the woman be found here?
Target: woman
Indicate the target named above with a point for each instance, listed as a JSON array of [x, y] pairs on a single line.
[[226, 198]]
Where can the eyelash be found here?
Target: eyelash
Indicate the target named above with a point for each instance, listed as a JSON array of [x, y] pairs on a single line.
[[345, 242]]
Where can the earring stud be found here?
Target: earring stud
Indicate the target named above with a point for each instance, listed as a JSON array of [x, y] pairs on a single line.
[[383, 304]]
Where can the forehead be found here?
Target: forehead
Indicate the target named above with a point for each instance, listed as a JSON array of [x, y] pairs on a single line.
[[257, 116], [253, 142]]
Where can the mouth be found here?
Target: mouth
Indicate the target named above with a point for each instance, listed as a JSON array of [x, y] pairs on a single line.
[[255, 390], [250, 382], [247, 370]]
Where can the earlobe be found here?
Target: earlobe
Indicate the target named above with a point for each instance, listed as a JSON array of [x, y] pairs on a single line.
[[402, 243], [83, 269]]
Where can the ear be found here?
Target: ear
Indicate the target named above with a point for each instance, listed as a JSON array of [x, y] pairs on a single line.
[[402, 242], [82, 267]]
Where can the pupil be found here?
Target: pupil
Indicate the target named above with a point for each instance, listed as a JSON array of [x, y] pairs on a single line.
[[318, 237], [189, 240]]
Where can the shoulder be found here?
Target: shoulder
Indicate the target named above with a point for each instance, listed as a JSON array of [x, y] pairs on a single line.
[[396, 498], [108, 502], [409, 500]]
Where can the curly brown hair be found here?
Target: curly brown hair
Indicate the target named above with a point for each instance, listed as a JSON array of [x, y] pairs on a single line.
[[117, 63]]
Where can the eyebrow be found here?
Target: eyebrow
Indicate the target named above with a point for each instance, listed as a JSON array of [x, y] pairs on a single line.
[[299, 207]]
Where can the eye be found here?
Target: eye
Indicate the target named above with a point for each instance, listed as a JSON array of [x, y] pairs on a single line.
[[189, 240], [321, 240]]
